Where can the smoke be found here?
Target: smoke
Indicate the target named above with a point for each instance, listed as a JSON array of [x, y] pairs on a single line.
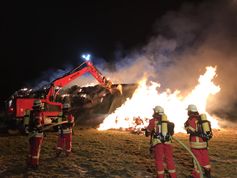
[[48, 76], [186, 41]]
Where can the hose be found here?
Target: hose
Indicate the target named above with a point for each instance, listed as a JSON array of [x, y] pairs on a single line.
[[190, 152]]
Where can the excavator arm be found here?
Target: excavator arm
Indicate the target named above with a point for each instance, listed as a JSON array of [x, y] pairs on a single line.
[[77, 72]]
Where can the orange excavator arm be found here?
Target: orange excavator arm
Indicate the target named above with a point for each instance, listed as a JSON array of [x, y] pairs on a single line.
[[75, 73]]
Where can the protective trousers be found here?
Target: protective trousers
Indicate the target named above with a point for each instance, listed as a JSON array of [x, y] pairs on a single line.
[[203, 159], [34, 150], [65, 142], [164, 154]]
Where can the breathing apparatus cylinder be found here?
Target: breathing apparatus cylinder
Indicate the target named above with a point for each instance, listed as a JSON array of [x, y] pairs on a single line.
[[26, 119], [205, 124], [164, 125]]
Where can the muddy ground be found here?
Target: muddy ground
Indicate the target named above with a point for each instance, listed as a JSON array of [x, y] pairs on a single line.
[[112, 154]]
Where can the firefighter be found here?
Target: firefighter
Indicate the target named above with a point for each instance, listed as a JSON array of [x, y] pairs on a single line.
[[65, 132], [161, 132], [139, 124], [36, 135], [198, 141]]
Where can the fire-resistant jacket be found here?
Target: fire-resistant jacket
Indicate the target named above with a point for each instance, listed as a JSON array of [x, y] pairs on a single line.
[[155, 130], [36, 123], [191, 125], [67, 127]]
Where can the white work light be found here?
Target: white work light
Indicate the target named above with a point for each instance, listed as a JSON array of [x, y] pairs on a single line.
[[86, 57]]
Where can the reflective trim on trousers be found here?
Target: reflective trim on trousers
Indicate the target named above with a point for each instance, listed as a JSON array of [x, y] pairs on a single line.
[[160, 172], [39, 136], [172, 171], [68, 150], [35, 134], [68, 130], [157, 141], [207, 166], [198, 145], [35, 157]]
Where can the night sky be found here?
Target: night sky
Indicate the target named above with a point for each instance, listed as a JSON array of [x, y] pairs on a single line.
[[34, 40], [170, 40]]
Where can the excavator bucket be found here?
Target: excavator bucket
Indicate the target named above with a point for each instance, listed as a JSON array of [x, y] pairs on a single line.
[[116, 89], [120, 89]]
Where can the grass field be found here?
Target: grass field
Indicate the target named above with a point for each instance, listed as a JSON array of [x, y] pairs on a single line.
[[112, 154]]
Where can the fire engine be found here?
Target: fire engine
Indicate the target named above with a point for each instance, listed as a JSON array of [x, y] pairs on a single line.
[[22, 101]]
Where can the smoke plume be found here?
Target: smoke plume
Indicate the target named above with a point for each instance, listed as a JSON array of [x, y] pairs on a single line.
[[187, 40], [48, 76]]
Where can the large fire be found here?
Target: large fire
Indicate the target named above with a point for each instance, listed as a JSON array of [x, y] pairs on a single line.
[[147, 96]]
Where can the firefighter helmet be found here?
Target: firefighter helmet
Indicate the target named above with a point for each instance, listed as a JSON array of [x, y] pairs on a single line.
[[158, 109], [192, 108], [37, 103], [66, 106]]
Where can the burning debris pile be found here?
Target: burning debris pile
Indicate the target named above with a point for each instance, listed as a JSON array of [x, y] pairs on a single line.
[[147, 96]]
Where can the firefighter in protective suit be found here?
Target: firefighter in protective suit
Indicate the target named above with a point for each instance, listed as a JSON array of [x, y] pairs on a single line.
[[199, 136], [36, 135], [161, 142], [65, 132]]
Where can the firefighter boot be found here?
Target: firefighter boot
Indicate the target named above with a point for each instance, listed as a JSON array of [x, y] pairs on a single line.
[[207, 173], [35, 167], [67, 153], [167, 175], [58, 153]]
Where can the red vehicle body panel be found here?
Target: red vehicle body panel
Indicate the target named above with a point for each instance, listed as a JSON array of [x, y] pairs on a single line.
[[51, 109], [23, 104]]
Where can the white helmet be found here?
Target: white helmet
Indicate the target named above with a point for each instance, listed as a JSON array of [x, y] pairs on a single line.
[[37, 103], [158, 109], [192, 108], [66, 106]]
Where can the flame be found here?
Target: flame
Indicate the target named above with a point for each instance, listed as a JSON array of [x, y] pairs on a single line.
[[146, 97]]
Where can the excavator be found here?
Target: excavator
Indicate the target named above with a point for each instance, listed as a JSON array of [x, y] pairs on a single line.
[[18, 105]]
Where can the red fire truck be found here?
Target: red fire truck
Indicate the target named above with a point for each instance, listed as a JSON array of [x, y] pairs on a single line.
[[18, 104]]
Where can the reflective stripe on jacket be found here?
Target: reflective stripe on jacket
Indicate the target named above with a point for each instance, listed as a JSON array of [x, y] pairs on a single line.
[[36, 122], [65, 128], [196, 141]]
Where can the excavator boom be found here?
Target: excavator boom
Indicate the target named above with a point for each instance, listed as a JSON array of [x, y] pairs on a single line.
[[75, 73]]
